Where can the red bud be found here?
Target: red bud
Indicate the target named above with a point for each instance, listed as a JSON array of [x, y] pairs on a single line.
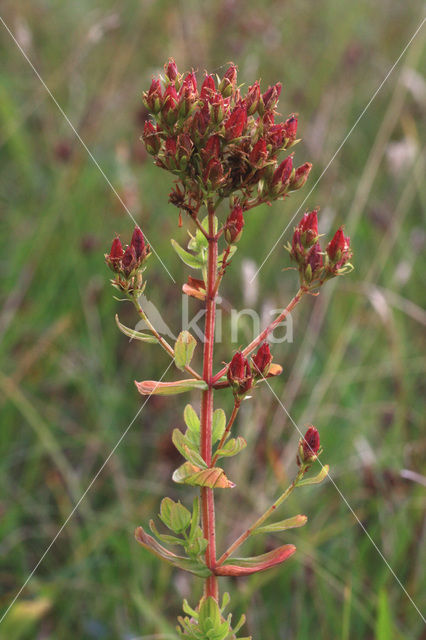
[[239, 375], [138, 242], [252, 99], [171, 70], [212, 148], [236, 123], [153, 98], [290, 128], [234, 225], [282, 175], [262, 361], [310, 445], [151, 138], [258, 154], [213, 174], [300, 176], [270, 97], [129, 260]]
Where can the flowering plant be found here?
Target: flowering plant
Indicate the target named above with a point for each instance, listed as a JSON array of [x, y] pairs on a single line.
[[223, 148]]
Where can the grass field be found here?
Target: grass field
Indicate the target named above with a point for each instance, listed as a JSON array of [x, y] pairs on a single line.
[[355, 367]]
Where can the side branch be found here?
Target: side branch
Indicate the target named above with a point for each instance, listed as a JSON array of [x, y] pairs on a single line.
[[264, 334]]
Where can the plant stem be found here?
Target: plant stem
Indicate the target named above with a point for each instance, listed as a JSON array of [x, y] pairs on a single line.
[[228, 429], [264, 334], [207, 496], [166, 346], [239, 541]]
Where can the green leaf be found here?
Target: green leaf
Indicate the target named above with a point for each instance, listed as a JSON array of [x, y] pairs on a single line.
[[316, 479], [232, 447], [188, 610], [191, 260], [192, 421], [135, 335], [184, 349], [214, 477], [166, 511], [164, 537], [283, 525], [187, 564], [195, 519], [185, 448], [198, 242], [152, 387], [218, 425], [180, 518], [209, 610]]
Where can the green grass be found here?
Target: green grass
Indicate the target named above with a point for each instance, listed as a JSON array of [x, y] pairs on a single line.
[[355, 368]]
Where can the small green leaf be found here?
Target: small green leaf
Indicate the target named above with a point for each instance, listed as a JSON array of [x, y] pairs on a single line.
[[218, 425], [184, 349], [135, 335], [247, 566], [192, 421], [283, 525], [232, 447], [165, 537], [166, 511], [185, 448], [195, 520], [209, 610], [316, 479], [152, 387], [213, 477], [191, 260], [187, 564], [188, 610], [180, 518]]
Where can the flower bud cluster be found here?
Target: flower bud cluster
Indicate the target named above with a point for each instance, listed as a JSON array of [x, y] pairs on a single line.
[[127, 263], [317, 266], [214, 139], [242, 375]]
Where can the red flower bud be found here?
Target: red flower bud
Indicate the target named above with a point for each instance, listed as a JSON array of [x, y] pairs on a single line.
[[290, 128], [339, 248], [262, 361], [300, 176], [271, 95], [113, 259], [207, 88], [218, 108], [213, 174], [258, 154], [314, 263], [252, 99], [234, 225], [276, 136], [310, 445], [151, 138], [212, 148], [199, 125], [129, 261], [239, 375], [171, 70], [170, 101], [153, 98], [138, 243], [236, 123], [281, 176], [229, 80], [308, 229]]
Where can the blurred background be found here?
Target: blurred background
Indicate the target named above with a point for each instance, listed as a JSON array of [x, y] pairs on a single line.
[[355, 367]]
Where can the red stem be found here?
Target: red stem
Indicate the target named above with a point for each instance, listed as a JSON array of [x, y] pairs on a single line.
[[264, 334], [207, 496]]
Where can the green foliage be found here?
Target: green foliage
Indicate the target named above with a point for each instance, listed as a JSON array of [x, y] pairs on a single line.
[[208, 622], [184, 349]]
